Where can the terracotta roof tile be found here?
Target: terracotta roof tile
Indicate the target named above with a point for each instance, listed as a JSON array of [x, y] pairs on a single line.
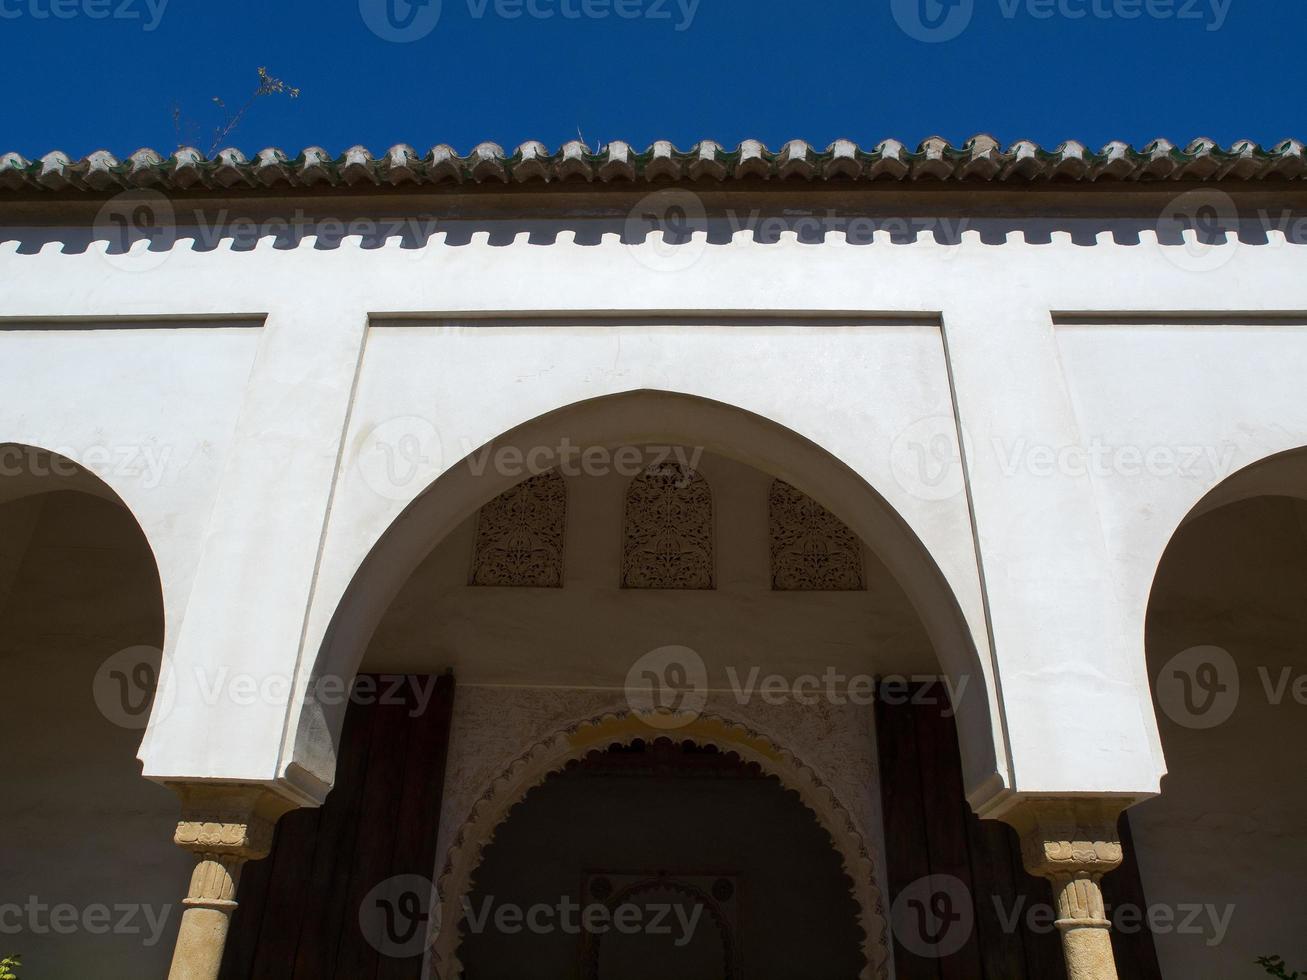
[[981, 159]]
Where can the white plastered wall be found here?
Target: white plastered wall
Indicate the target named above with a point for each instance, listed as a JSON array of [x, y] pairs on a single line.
[[267, 544]]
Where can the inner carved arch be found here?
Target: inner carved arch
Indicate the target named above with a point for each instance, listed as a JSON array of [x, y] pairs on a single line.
[[573, 743]]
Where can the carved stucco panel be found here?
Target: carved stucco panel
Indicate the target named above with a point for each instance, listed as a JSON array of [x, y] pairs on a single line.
[[812, 550], [519, 541], [668, 534]]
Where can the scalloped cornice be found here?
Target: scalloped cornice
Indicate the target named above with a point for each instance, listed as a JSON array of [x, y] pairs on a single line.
[[979, 160]]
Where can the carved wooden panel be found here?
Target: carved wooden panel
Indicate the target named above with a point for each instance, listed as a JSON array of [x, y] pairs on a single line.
[[519, 539], [668, 541], [812, 550]]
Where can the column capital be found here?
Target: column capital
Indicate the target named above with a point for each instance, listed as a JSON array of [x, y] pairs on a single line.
[[1065, 837], [234, 821]]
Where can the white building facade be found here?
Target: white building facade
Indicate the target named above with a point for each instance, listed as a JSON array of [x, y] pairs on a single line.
[[606, 435]]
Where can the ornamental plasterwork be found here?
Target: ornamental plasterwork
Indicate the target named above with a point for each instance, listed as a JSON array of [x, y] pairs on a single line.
[[519, 540], [812, 550], [668, 535]]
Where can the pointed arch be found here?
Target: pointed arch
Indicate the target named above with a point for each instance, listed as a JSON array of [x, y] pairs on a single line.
[[646, 418]]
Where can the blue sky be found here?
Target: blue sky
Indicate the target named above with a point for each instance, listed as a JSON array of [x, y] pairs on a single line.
[[86, 74]]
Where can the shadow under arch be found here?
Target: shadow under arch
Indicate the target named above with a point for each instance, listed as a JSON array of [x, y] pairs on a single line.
[[573, 743], [1280, 473], [84, 626], [652, 417], [1283, 474], [1222, 628], [28, 471]]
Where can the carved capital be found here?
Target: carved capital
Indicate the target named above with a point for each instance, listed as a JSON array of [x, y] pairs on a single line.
[[1047, 858], [1073, 836], [1072, 843], [228, 822]]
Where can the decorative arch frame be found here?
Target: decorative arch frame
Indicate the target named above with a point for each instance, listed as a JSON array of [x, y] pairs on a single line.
[[651, 417], [567, 745]]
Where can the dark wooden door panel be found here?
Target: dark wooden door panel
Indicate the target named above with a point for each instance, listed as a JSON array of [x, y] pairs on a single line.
[[931, 833], [298, 917]]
